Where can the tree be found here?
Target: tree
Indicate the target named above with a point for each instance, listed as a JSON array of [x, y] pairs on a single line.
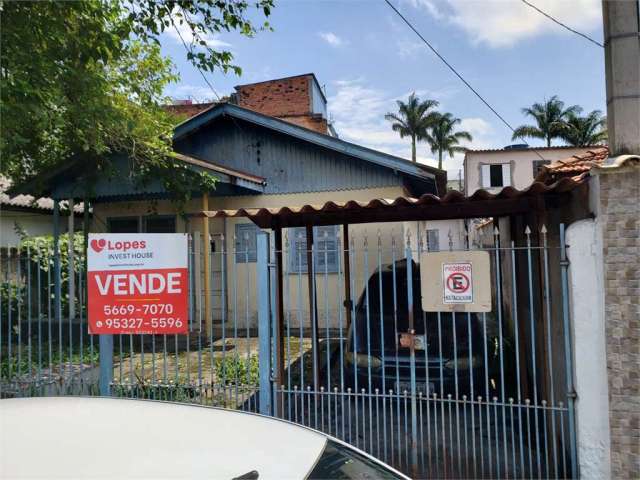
[[86, 79], [443, 137], [549, 118], [588, 130], [413, 119]]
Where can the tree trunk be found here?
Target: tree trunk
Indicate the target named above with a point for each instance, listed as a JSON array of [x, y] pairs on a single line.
[[440, 159], [413, 148]]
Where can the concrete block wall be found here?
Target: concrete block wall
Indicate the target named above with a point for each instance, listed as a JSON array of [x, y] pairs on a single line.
[[619, 212]]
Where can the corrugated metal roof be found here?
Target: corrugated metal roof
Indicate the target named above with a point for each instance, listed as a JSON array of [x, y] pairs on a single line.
[[191, 160], [453, 205], [46, 183], [389, 161]]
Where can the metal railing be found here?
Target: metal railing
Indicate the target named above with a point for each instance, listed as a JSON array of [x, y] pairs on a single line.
[[486, 395]]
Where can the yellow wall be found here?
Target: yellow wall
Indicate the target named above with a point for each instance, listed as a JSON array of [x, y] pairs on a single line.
[[241, 291]]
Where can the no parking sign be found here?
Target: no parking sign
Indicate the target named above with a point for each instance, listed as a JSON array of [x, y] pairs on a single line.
[[455, 281]]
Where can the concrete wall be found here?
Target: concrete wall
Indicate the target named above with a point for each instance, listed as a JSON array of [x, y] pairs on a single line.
[[586, 284], [521, 162], [34, 224]]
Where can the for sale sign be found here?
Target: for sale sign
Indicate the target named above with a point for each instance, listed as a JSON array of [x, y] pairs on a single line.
[[138, 283], [455, 281]]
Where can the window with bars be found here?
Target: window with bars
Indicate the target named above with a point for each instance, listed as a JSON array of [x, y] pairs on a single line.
[[246, 244], [326, 249]]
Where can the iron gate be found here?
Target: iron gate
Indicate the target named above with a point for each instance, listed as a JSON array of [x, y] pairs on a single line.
[[482, 395]]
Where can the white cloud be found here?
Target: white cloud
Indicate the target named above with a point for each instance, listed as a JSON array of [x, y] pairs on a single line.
[[503, 23], [409, 49], [180, 32], [358, 113], [331, 38], [197, 93]]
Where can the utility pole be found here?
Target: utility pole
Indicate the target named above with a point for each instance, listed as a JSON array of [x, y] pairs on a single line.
[[622, 71]]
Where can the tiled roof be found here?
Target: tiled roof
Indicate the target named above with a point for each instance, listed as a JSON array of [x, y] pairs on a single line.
[[575, 165], [29, 201], [362, 212]]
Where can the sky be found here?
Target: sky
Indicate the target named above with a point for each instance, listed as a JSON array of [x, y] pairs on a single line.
[[366, 59]]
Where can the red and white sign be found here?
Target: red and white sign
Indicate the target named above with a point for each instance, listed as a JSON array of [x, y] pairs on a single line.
[[138, 283], [457, 280]]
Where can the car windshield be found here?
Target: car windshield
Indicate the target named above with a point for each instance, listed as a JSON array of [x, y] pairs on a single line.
[[341, 462]]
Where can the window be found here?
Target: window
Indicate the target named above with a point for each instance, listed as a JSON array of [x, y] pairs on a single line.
[[341, 461], [160, 224], [537, 165], [496, 175], [326, 249], [433, 240], [246, 243], [123, 225]]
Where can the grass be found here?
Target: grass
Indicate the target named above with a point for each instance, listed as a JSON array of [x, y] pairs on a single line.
[[20, 363]]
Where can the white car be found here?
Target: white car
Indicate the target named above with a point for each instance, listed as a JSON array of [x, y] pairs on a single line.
[[108, 438]]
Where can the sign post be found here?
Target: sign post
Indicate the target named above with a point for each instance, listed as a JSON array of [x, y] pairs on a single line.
[[138, 284]]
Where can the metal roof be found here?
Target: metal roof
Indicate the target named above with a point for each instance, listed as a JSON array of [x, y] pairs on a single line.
[[389, 161], [428, 207], [47, 183], [191, 160]]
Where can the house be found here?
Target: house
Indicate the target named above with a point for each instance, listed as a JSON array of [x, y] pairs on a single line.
[[25, 215], [514, 165], [272, 148]]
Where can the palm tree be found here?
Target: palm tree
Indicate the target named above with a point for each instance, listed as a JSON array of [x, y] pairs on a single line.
[[442, 136], [549, 117], [589, 130], [413, 119]]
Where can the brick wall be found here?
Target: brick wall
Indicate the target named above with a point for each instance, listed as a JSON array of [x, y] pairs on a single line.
[[278, 98], [313, 122], [620, 212], [288, 99]]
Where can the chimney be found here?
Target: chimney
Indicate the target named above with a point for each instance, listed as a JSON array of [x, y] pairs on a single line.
[[622, 70], [298, 100]]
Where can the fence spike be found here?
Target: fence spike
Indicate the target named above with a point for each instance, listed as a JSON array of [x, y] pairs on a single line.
[[543, 230], [527, 230]]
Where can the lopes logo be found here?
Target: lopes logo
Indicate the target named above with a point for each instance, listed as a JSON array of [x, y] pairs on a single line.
[[100, 244]]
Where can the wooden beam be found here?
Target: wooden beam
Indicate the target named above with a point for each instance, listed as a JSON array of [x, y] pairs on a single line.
[[206, 251]]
